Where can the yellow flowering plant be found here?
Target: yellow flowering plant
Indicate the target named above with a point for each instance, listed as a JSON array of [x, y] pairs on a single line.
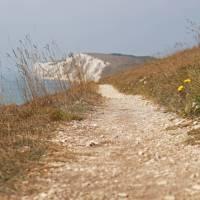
[[181, 88], [184, 87], [187, 80]]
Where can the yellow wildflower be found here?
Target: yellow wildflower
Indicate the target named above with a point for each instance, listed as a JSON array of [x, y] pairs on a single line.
[[180, 88], [187, 80]]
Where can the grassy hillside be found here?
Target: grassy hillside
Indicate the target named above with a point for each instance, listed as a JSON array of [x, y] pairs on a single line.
[[26, 130], [173, 81], [120, 62]]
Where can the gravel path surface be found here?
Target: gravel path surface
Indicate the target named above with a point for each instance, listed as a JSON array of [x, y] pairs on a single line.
[[127, 149]]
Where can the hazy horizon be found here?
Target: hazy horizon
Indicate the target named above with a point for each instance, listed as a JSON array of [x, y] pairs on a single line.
[[107, 26]]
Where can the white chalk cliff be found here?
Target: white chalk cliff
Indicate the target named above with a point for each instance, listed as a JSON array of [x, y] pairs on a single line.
[[89, 67]]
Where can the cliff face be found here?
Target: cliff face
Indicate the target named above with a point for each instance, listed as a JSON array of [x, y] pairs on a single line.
[[74, 67], [88, 66]]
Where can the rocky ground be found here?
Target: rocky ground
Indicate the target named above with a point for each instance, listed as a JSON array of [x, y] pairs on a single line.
[[127, 149]]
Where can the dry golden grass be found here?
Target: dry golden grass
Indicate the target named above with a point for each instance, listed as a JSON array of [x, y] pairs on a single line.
[[159, 80], [25, 130]]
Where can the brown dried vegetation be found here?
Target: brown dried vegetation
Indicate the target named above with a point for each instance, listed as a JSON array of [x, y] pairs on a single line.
[[159, 79], [26, 130]]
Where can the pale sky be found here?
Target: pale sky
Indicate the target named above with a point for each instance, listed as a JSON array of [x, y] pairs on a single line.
[[140, 27]]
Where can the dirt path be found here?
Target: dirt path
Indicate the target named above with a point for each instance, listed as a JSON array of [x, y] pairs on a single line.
[[125, 150]]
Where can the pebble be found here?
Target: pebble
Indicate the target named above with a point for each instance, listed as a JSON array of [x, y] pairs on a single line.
[[94, 125], [196, 187], [123, 195], [193, 176], [191, 192], [169, 197], [140, 153], [196, 126], [137, 142], [76, 169], [43, 195], [195, 122], [92, 143], [172, 119], [166, 126], [85, 184], [162, 182], [157, 156], [24, 149]]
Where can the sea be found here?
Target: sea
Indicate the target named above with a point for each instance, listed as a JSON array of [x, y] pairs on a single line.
[[11, 93]]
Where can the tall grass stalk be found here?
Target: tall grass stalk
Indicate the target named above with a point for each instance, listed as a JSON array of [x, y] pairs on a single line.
[[25, 130], [31, 82], [25, 56]]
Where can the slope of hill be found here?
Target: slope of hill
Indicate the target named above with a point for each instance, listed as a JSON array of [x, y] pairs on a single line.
[[173, 81], [119, 62]]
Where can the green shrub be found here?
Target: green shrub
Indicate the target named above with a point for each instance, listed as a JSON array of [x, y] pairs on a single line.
[[60, 115]]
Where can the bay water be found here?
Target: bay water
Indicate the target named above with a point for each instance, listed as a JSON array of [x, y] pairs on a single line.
[[11, 93]]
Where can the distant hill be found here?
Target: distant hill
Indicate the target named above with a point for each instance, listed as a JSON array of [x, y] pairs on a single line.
[[120, 62]]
